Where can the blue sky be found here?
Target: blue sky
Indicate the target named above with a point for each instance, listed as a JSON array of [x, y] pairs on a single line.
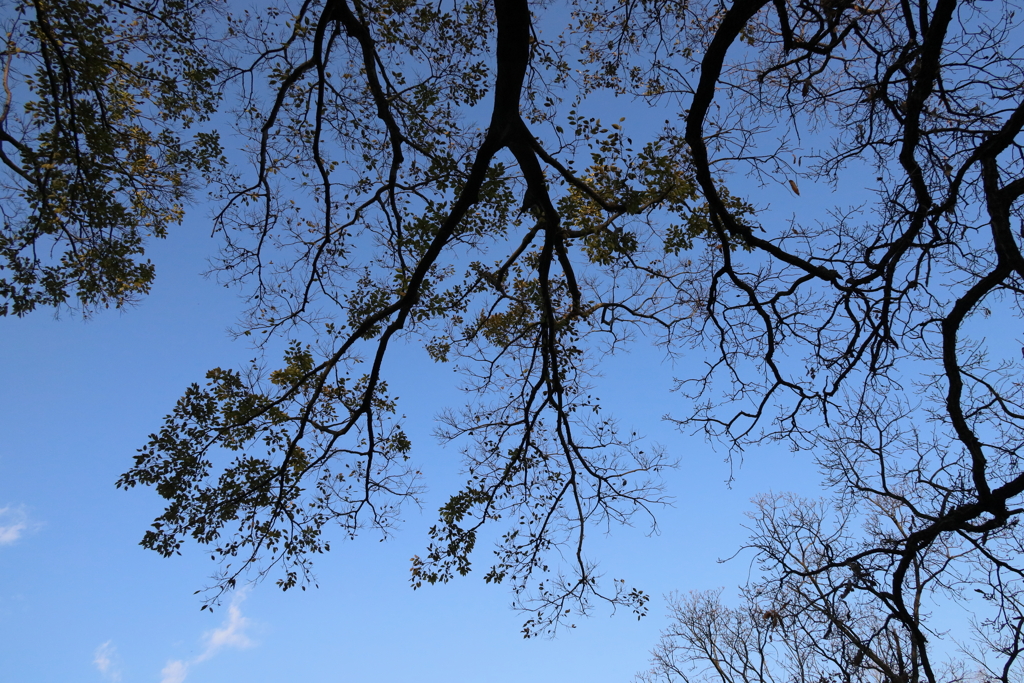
[[81, 601]]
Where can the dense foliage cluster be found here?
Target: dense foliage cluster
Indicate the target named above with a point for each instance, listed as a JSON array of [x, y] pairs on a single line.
[[451, 170], [96, 98]]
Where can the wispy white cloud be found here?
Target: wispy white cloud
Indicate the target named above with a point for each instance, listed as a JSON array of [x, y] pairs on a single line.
[[105, 660], [230, 634], [174, 672], [13, 522]]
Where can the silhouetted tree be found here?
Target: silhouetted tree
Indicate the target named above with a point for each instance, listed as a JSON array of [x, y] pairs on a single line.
[[527, 244], [95, 152]]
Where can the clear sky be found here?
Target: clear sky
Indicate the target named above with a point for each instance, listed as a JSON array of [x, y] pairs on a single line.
[[81, 601]]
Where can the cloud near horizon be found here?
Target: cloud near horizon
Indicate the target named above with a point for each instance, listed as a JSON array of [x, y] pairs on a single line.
[[230, 634]]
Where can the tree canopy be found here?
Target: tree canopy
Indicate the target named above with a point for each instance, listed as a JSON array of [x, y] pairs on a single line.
[[96, 99], [458, 172]]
